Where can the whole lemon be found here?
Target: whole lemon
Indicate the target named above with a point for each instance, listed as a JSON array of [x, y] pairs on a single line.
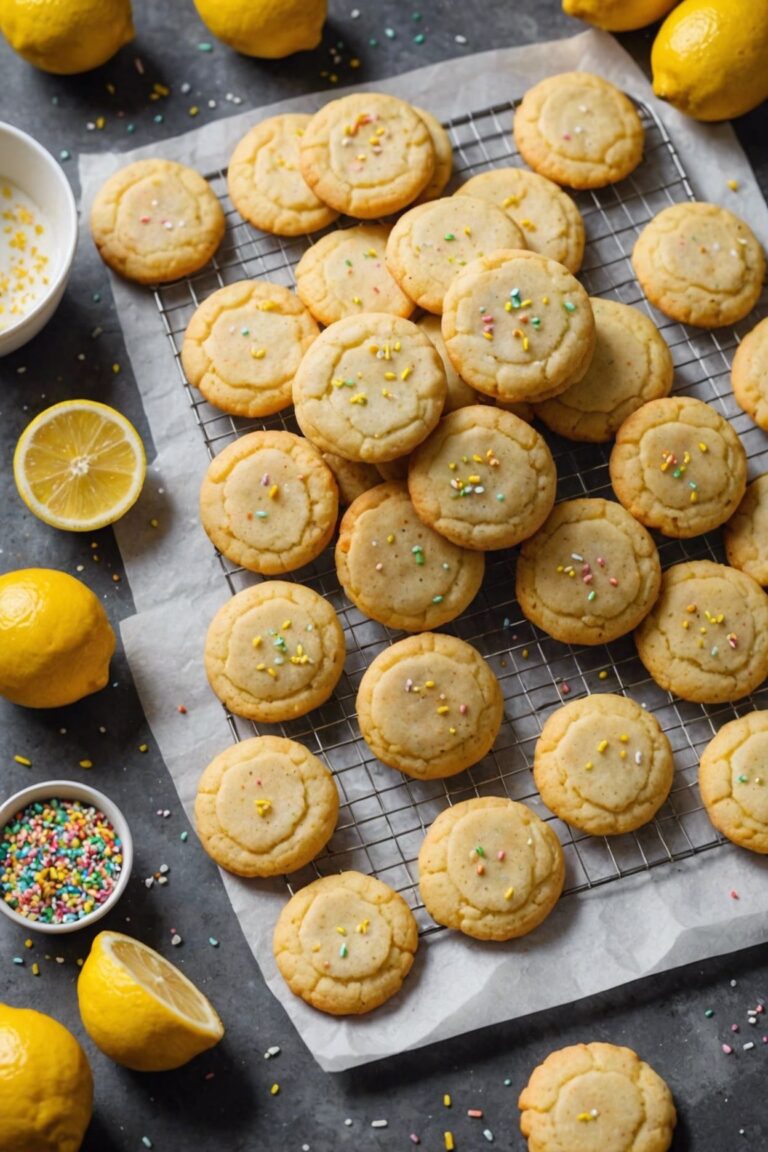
[[46, 1086], [266, 28], [710, 58], [55, 639], [618, 15], [66, 36]]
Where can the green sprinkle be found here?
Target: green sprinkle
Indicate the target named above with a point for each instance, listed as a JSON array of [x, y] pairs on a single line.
[[158, 119], [348, 263], [213, 942], [96, 297], [261, 514], [245, 331], [184, 837], [64, 154], [692, 484], [569, 307], [507, 1083], [709, 1013], [500, 496], [343, 951], [373, 42], [419, 39], [389, 33], [449, 236], [714, 650], [437, 599], [18, 960], [205, 47], [592, 595], [416, 16], [743, 779], [677, 473], [480, 851], [130, 128], [536, 321]]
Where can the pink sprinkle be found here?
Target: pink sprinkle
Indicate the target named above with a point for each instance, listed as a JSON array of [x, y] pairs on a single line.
[[726, 1049], [501, 854], [601, 561], [765, 1039], [734, 1028], [760, 1009], [566, 135], [613, 582], [565, 688], [209, 1075], [408, 684], [463, 709], [145, 219], [265, 479], [475, 1113], [379, 566], [587, 578], [734, 894], [487, 319]]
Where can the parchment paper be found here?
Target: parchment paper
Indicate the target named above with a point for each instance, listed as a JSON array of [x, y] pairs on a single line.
[[594, 940]]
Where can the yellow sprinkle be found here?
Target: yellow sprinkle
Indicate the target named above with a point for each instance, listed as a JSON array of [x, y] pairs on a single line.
[[624, 738], [386, 393], [509, 893], [588, 766], [397, 345], [447, 1100], [453, 466], [371, 252], [733, 185], [363, 927], [35, 969], [86, 763], [448, 1139], [337, 382], [341, 931], [143, 747], [23, 761], [602, 675], [373, 348], [524, 653], [261, 667], [545, 299], [452, 730], [258, 353], [474, 478], [528, 225], [356, 300], [194, 110], [526, 343], [285, 624], [271, 672], [100, 122], [406, 372], [359, 398], [391, 538], [256, 641], [273, 491], [262, 806], [703, 447], [508, 306], [510, 201], [267, 306], [274, 1089], [315, 947], [442, 709], [28, 944], [685, 623], [116, 369], [602, 746], [429, 683], [467, 231], [585, 1117], [488, 335], [623, 754], [694, 497], [390, 376], [299, 649]]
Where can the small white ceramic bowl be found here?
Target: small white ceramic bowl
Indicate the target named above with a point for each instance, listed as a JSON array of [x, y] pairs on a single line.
[[71, 790], [27, 165]]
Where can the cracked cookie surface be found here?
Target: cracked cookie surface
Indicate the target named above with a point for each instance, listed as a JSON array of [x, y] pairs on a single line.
[[733, 781], [265, 806], [603, 764], [345, 943], [678, 466], [578, 129], [596, 1098], [244, 344], [700, 264], [156, 220], [274, 651], [490, 868], [269, 502], [518, 326], [590, 574], [429, 705], [706, 638]]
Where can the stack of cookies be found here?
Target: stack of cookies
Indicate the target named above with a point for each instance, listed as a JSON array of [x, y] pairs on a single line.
[[423, 339]]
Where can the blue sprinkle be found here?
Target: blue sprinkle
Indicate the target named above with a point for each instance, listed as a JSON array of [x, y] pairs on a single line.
[[213, 942], [205, 47], [96, 297], [184, 837], [419, 39], [18, 960], [64, 154], [437, 599], [261, 514], [389, 33], [416, 16], [373, 42], [158, 119], [130, 128]]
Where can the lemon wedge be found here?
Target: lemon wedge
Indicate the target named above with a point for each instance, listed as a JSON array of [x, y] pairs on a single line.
[[139, 1009], [79, 465]]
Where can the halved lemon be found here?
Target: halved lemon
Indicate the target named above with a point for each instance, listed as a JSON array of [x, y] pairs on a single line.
[[79, 465], [139, 1009]]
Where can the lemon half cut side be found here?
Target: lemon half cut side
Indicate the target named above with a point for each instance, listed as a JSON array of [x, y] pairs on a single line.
[[79, 465]]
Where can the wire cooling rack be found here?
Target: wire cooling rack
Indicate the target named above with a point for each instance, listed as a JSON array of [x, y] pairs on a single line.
[[384, 815]]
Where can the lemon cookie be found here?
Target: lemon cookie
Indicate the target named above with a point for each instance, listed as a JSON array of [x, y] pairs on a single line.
[[431, 243], [484, 478], [352, 477], [706, 638], [265, 806], [396, 569], [590, 574], [551, 222], [459, 393], [441, 142], [430, 706], [749, 374], [367, 154], [269, 502], [370, 388], [156, 220], [630, 366], [678, 466], [518, 326], [345, 943], [596, 1098], [746, 533], [700, 264], [490, 868], [265, 183], [244, 344], [578, 129], [274, 651], [733, 781], [344, 274], [603, 764]]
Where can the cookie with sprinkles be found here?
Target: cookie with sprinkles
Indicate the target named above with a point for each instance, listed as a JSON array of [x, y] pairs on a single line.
[[596, 1096], [459, 393], [265, 806], [432, 242], [603, 764], [518, 326], [678, 466], [706, 638], [590, 574], [370, 388], [631, 365], [429, 706], [746, 533], [367, 154], [345, 943], [733, 781], [551, 222], [579, 130], [344, 274], [484, 479], [441, 143], [156, 220], [399, 571], [699, 264], [749, 374], [269, 502], [490, 868], [244, 344], [265, 183], [274, 651]]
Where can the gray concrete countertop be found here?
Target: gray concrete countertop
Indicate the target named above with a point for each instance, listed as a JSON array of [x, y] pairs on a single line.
[[222, 1100]]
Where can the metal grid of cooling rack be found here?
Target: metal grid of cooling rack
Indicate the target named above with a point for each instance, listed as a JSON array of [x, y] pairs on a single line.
[[384, 815]]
